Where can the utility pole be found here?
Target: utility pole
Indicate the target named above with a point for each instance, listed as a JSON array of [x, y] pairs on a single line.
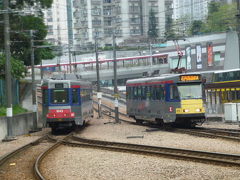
[[99, 94], [141, 16], [8, 70], [238, 28], [33, 83], [41, 70], [70, 57], [115, 80], [151, 57]]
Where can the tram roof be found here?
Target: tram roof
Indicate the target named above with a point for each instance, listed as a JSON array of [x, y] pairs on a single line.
[[78, 82], [163, 77], [152, 79], [229, 70]]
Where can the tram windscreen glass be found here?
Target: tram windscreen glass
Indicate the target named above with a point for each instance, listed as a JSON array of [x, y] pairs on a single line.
[[59, 85], [59, 96], [190, 91]]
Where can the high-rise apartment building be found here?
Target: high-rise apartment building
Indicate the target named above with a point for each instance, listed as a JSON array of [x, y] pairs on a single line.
[[190, 9], [56, 20], [126, 19]]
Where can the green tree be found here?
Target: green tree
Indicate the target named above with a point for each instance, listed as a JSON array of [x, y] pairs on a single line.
[[21, 39], [20, 26], [221, 17], [181, 26], [152, 25], [196, 27], [169, 32], [18, 70], [213, 7]]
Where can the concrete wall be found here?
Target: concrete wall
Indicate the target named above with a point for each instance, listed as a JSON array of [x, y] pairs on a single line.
[[232, 51], [3, 127], [21, 124]]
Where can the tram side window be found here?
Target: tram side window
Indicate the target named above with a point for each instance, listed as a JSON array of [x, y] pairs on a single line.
[[135, 92], [128, 91], [90, 94], [75, 96], [158, 97], [149, 92], [238, 95], [155, 93], [45, 96], [139, 92], [82, 94], [174, 92], [85, 95], [159, 93], [144, 92]]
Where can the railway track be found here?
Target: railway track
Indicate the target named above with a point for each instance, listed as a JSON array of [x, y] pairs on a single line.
[[17, 163], [227, 134], [184, 154], [37, 166]]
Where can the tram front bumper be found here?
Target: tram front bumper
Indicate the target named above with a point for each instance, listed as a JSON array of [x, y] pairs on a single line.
[[51, 120], [195, 115]]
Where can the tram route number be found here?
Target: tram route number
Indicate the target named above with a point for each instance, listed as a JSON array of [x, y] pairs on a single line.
[[190, 78]]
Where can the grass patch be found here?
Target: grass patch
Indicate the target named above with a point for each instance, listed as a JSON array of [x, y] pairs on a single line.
[[17, 109]]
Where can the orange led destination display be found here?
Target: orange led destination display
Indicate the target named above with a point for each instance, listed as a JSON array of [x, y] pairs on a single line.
[[190, 78]]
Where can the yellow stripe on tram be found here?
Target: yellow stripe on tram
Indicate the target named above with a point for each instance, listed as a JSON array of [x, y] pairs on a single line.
[[227, 81]]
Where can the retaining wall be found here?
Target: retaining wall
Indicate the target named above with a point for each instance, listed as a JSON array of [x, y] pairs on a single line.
[[21, 124]]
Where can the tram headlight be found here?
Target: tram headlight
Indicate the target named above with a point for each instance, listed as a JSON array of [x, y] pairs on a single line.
[[72, 114], [185, 110], [198, 110]]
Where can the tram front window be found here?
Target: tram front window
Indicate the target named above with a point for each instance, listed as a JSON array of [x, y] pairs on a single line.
[[187, 91], [59, 96]]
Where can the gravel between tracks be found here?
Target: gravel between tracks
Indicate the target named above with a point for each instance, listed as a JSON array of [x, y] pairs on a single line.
[[7, 147], [79, 163]]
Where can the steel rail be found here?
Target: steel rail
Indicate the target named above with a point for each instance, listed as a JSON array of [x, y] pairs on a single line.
[[184, 154], [205, 132], [209, 133], [40, 158], [6, 157]]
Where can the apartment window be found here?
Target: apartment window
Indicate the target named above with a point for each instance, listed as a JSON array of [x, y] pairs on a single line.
[[107, 1], [118, 10], [50, 32], [96, 11], [49, 13], [108, 21], [96, 22], [107, 11], [50, 27], [97, 34], [135, 20], [134, 9], [135, 31], [118, 32], [50, 19], [107, 32]]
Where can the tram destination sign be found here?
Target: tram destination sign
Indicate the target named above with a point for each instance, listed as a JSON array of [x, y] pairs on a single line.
[[185, 78]]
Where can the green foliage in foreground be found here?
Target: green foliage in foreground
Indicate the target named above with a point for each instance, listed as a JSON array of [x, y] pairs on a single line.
[[18, 69], [16, 110]]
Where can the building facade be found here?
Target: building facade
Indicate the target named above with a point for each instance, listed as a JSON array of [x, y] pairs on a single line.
[[192, 9], [126, 19], [56, 20]]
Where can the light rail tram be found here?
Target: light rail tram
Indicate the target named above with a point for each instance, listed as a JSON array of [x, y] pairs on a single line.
[[176, 98], [66, 103]]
